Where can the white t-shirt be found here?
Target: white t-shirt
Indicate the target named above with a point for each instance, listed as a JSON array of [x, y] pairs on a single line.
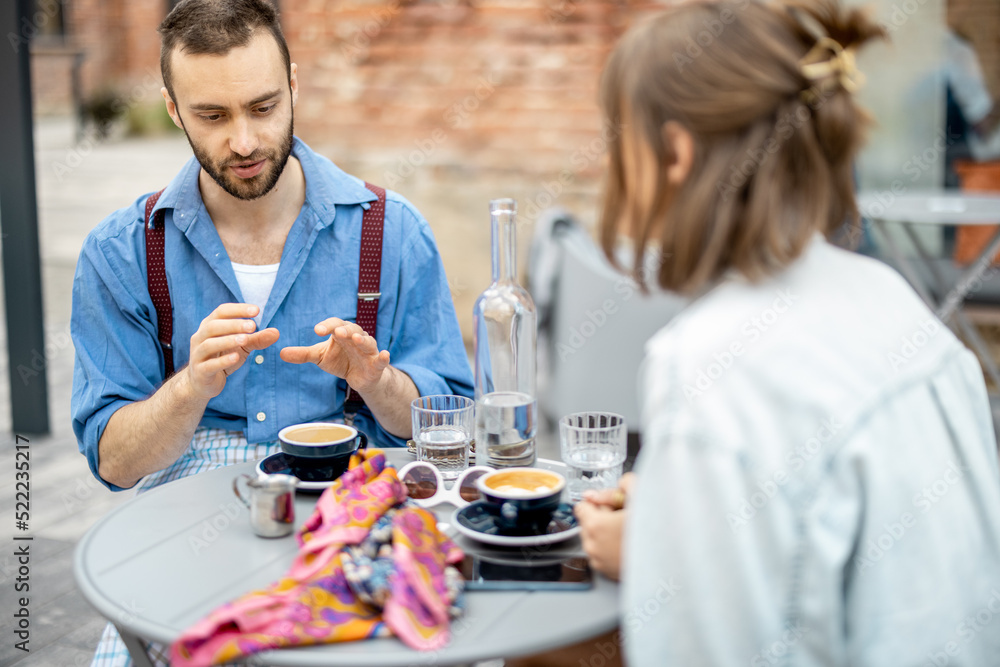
[[256, 282]]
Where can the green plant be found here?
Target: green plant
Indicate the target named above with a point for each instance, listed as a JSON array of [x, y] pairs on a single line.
[[149, 118], [102, 109]]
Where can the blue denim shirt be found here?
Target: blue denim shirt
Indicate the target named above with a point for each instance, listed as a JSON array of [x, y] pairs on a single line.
[[118, 357], [818, 480]]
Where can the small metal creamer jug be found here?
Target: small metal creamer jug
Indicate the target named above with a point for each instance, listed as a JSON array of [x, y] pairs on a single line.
[[271, 502]]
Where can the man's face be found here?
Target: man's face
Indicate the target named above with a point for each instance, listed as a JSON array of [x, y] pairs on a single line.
[[236, 110]]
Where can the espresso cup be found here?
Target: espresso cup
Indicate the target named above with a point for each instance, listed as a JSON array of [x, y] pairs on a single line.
[[320, 451], [523, 499]]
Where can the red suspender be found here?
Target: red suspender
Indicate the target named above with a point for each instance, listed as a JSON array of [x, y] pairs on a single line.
[[156, 282], [369, 281]]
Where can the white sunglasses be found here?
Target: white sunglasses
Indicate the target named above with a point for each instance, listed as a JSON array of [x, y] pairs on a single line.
[[426, 487]]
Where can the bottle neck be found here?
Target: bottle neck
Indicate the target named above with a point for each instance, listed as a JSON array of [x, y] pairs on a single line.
[[504, 247]]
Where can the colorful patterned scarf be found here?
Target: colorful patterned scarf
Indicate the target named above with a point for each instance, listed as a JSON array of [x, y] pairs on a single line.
[[368, 566]]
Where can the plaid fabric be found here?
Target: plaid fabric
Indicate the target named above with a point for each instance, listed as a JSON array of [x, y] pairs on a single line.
[[210, 448], [111, 652]]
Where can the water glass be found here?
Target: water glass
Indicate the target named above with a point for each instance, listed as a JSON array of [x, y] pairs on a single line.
[[443, 428], [593, 445], [506, 425]]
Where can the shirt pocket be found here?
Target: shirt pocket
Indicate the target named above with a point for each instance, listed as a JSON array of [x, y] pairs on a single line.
[[320, 393]]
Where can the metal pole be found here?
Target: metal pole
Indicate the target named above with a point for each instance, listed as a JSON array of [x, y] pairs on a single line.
[[19, 224], [76, 85]]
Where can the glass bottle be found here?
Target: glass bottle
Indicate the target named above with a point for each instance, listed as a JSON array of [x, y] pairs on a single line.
[[504, 330]]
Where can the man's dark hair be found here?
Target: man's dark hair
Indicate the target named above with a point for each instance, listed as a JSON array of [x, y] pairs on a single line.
[[214, 27]]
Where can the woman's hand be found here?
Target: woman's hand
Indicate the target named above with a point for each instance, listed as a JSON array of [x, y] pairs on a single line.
[[612, 498], [602, 517]]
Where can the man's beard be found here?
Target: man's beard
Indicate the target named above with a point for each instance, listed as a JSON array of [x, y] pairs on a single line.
[[247, 188]]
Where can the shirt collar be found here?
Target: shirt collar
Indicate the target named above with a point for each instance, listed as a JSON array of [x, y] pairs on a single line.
[[327, 185]]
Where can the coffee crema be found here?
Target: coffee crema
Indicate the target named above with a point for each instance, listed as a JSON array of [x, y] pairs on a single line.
[[318, 434], [517, 482]]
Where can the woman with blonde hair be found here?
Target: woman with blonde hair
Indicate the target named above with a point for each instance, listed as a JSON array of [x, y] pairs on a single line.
[[818, 483]]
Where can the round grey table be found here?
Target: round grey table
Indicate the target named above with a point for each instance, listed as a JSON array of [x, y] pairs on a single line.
[[165, 559]]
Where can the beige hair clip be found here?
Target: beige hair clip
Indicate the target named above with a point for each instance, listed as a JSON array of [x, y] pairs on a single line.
[[826, 63]]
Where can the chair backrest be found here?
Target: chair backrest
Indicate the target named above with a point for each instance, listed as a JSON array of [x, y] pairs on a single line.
[[594, 336]]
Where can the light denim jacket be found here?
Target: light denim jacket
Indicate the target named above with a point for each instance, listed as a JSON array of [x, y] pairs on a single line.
[[818, 483]]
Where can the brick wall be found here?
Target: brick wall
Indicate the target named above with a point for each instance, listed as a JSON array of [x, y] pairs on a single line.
[[489, 85], [121, 53], [979, 22], [455, 103], [499, 77], [51, 79]]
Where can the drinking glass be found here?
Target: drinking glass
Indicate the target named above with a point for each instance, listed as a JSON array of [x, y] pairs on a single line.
[[593, 446], [442, 428]]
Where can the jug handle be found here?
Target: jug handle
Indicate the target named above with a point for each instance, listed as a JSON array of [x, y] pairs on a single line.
[[236, 488]]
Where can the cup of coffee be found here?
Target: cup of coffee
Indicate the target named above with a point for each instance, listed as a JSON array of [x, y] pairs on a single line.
[[320, 451], [523, 499]]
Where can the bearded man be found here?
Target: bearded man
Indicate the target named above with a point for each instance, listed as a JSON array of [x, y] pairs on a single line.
[[260, 245]]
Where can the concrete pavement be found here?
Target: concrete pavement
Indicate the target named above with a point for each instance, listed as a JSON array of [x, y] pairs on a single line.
[[77, 187]]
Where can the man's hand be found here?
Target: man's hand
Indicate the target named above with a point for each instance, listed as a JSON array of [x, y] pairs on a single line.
[[148, 435], [221, 344], [602, 517], [348, 353]]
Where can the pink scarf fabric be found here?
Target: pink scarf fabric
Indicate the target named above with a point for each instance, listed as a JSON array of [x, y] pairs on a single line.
[[368, 566]]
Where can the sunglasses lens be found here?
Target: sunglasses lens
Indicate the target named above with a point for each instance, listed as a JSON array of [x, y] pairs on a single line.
[[420, 483], [469, 492]]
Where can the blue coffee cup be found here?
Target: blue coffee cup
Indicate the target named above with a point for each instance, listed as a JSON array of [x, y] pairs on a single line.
[[522, 499], [320, 451]]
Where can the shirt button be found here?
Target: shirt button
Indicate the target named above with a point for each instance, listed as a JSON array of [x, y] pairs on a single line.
[[261, 416], [259, 358]]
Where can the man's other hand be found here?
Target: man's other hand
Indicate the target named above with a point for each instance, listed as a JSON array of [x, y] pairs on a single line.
[[348, 353]]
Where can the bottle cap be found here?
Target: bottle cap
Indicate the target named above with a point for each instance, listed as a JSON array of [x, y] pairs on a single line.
[[506, 205]]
